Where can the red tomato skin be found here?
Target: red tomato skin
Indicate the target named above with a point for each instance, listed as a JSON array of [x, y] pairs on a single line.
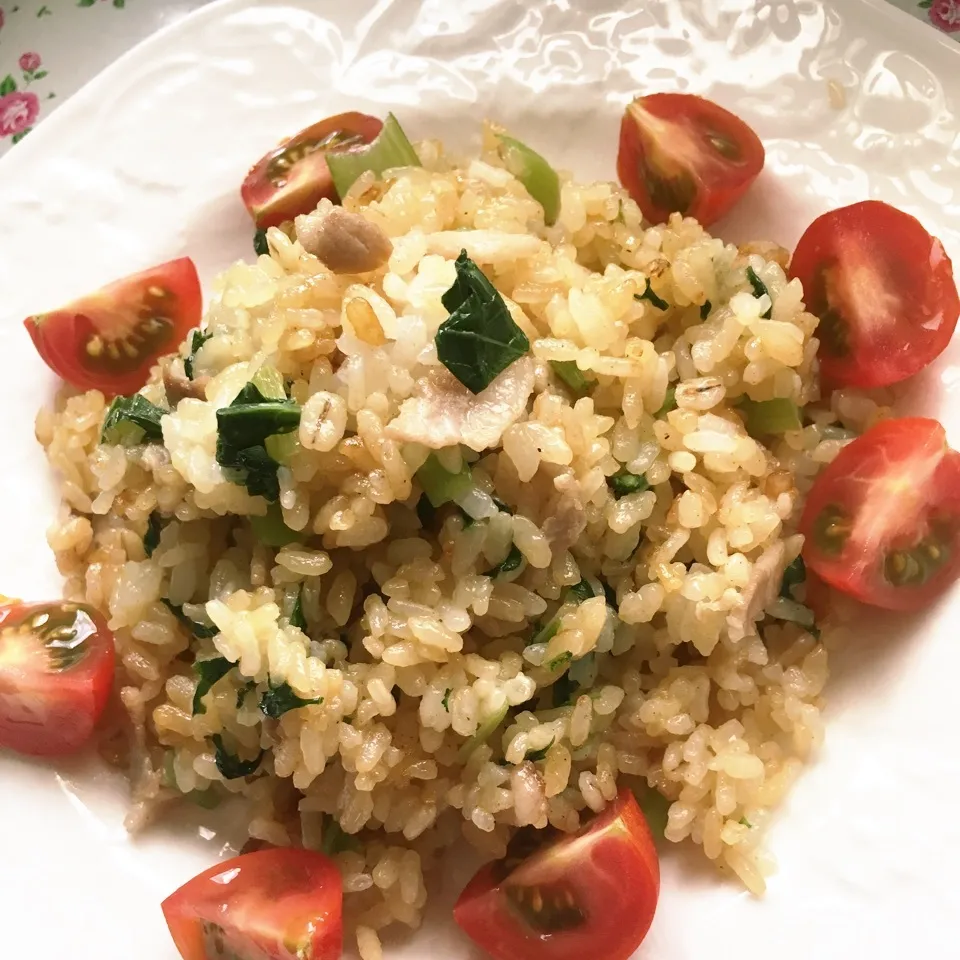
[[857, 569], [49, 714], [623, 870], [61, 336], [278, 901], [716, 182], [880, 243], [270, 204]]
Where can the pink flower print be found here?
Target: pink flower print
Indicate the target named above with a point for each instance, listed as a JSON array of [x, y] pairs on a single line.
[[18, 111], [29, 62], [945, 14]]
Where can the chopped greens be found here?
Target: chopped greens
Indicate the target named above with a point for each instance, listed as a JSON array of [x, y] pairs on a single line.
[[793, 576], [197, 339], [479, 339], [208, 673], [648, 294], [446, 699], [271, 530], [534, 173], [388, 150], [572, 376], [509, 563], [759, 290], [230, 766], [440, 485], [335, 839], [623, 483], [244, 690], [545, 633], [151, 539], [242, 429], [484, 732], [201, 631], [269, 382], [280, 698], [537, 755], [745, 822], [131, 421], [766, 417], [705, 309], [564, 690], [560, 661], [580, 591], [654, 806], [297, 619], [260, 245], [669, 402]]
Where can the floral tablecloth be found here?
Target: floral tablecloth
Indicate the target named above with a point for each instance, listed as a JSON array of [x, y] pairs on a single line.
[[50, 49]]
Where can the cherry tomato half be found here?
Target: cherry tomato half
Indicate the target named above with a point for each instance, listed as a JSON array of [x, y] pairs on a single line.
[[882, 522], [679, 152], [110, 339], [591, 894], [275, 904], [293, 178], [56, 674], [883, 289]]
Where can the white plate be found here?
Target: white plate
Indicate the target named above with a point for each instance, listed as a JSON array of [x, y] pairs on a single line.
[[144, 165]]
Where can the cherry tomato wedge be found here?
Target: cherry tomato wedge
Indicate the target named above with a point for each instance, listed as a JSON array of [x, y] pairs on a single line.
[[56, 674], [590, 894], [882, 522], [293, 178], [275, 904], [110, 339], [679, 152], [883, 289]]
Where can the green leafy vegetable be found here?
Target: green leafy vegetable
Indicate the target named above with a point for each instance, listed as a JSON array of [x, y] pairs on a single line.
[[580, 591], [746, 822], [271, 530], [705, 309], [151, 539], [793, 576], [509, 563], [446, 699], [648, 294], [560, 661], [388, 150], [242, 429], [766, 417], [545, 633], [440, 485], [534, 173], [759, 290], [335, 839], [208, 673], [537, 755], [479, 339], [230, 766], [269, 382], [280, 698], [572, 376], [132, 420], [564, 690], [669, 402], [197, 339], [260, 245], [297, 619], [623, 483], [654, 806], [484, 732], [610, 594], [243, 691], [201, 631]]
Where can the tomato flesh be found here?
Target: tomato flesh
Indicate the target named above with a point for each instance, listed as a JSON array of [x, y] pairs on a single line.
[[591, 894], [293, 178], [882, 522], [275, 904], [883, 289], [679, 152], [110, 339], [56, 674]]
